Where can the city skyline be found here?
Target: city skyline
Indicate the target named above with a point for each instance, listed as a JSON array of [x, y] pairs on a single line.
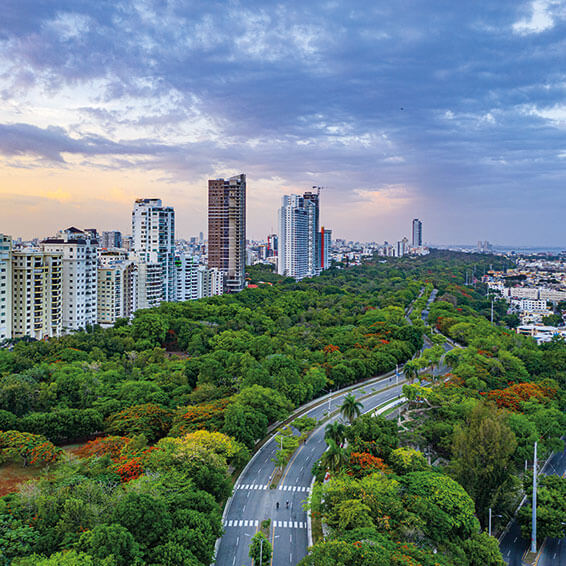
[[401, 111]]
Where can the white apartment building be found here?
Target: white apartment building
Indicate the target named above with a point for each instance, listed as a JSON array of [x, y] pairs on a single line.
[[37, 292], [153, 240], [210, 282], [117, 292], [297, 234], [150, 284], [529, 305], [186, 278], [5, 287], [80, 277]]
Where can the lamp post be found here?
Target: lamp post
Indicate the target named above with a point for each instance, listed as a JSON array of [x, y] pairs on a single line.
[[489, 522], [534, 519]]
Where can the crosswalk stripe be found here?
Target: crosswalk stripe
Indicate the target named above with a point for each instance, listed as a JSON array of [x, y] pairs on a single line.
[[294, 488], [229, 523], [245, 523], [240, 523], [256, 523], [285, 524], [296, 525]]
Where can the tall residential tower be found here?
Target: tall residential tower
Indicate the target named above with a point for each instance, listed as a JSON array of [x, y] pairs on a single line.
[[417, 241], [153, 240], [227, 230]]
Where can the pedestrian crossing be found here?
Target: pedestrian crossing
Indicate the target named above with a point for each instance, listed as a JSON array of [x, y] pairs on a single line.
[[276, 524], [263, 487]]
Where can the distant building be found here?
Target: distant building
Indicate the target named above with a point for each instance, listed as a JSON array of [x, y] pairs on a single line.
[[296, 237], [227, 230], [79, 276], [38, 292], [149, 285], [272, 245], [210, 282], [314, 235], [325, 239], [417, 240], [111, 239], [5, 287], [153, 234]]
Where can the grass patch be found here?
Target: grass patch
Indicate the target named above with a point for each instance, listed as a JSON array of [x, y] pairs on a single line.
[[316, 518]]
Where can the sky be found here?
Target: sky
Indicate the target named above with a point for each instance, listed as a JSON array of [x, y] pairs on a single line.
[[453, 112]]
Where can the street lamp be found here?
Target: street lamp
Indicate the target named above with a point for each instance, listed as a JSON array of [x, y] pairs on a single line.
[[489, 522]]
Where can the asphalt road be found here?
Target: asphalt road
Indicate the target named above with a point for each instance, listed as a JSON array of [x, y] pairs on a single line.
[[513, 546], [254, 502]]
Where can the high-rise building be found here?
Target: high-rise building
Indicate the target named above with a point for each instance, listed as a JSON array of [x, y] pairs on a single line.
[[297, 238], [325, 241], [272, 245], [402, 247], [417, 233], [227, 230], [79, 276], [5, 287], [37, 291], [314, 239], [153, 234], [210, 282], [150, 284], [186, 277], [111, 239], [117, 291]]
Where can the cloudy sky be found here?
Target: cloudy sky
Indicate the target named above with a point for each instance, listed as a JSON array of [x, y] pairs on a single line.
[[454, 112]]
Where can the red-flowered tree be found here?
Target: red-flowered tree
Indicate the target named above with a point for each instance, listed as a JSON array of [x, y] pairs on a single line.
[[30, 448]]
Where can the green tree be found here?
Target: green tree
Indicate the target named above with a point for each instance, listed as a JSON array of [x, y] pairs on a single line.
[[335, 431], [483, 448], [260, 550], [334, 458], [111, 541], [351, 408]]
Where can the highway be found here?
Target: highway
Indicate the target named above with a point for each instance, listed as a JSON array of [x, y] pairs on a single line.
[[254, 502]]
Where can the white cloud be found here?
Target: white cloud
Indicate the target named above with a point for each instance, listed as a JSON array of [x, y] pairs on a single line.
[[542, 17]]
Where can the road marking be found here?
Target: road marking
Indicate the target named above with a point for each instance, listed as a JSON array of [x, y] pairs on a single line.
[[240, 523], [296, 525], [515, 539], [285, 524], [554, 557]]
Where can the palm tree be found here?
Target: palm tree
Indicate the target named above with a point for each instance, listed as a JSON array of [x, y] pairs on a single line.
[[351, 408], [335, 431], [411, 370], [334, 458]]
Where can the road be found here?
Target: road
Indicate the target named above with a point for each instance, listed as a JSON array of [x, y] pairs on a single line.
[[513, 546], [253, 501]]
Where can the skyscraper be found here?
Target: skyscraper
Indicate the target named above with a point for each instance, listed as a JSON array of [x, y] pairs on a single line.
[[227, 230], [417, 233], [314, 242], [5, 287], [325, 240], [153, 239], [297, 237]]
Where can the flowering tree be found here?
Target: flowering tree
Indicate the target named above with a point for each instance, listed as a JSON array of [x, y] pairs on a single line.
[[30, 448]]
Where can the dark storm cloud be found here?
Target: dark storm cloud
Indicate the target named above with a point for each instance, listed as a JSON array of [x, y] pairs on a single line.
[[449, 98]]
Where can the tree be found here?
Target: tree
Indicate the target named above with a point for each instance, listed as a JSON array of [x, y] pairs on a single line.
[[375, 435], [551, 507], [31, 448], [335, 431], [149, 326], [113, 541], [404, 460], [483, 448], [153, 421], [411, 370], [260, 550], [334, 458], [351, 408]]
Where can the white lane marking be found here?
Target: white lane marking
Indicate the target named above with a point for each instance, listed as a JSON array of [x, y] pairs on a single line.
[[285, 522], [296, 525], [295, 487], [244, 508], [515, 539], [240, 523], [237, 540], [229, 523], [245, 523]]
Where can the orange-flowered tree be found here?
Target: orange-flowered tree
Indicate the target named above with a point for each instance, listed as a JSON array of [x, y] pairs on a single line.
[[27, 447]]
